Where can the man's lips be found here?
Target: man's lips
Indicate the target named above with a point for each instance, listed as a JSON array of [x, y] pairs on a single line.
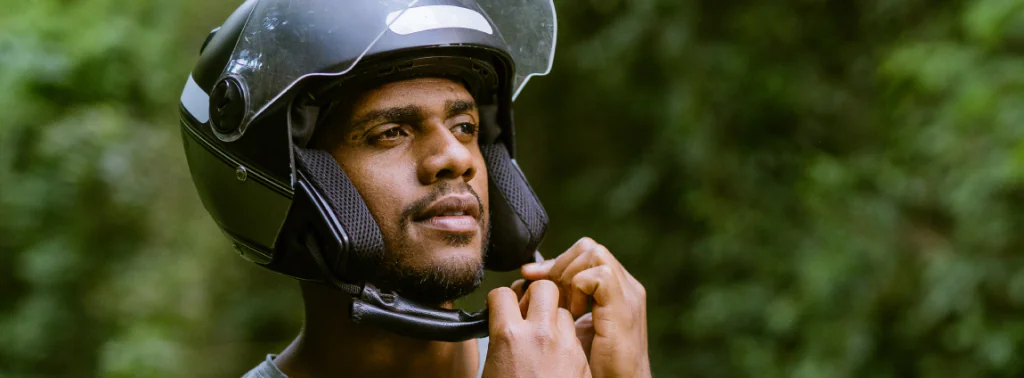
[[454, 213], [459, 223]]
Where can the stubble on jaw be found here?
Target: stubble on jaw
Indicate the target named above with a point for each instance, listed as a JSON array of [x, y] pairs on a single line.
[[442, 280], [435, 284]]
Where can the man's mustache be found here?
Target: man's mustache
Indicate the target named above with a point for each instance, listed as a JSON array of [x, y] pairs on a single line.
[[441, 190]]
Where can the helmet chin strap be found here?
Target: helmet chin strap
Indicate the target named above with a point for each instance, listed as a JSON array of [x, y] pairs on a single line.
[[392, 312], [396, 314]]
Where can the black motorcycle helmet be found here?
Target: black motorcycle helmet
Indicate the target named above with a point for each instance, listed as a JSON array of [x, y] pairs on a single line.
[[267, 75]]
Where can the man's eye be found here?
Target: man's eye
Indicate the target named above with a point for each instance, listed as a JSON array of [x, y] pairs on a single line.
[[389, 135], [466, 128], [392, 133]]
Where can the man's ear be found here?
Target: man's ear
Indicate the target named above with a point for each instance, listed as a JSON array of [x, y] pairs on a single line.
[[302, 120]]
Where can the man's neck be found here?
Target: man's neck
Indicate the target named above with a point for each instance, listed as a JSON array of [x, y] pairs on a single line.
[[331, 345]]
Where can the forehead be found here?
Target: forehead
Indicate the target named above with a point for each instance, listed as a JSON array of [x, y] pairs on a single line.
[[423, 92]]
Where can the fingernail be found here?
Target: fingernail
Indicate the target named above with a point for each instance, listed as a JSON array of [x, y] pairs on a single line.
[[539, 267]]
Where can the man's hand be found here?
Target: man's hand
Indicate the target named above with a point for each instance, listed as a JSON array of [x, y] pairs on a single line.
[[535, 340], [617, 327]]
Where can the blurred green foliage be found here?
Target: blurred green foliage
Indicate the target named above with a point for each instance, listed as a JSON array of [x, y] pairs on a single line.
[[806, 188]]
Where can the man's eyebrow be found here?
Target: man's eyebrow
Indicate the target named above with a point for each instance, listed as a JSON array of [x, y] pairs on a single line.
[[398, 114], [455, 107], [410, 113]]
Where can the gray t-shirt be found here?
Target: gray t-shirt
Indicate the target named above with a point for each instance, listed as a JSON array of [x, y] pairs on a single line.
[[267, 369]]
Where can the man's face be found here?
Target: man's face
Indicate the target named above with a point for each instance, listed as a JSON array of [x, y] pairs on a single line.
[[410, 148]]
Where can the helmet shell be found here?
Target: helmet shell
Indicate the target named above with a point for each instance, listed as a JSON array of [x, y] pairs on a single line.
[[245, 173]]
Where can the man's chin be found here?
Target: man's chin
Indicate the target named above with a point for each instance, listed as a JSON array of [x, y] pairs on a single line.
[[449, 275]]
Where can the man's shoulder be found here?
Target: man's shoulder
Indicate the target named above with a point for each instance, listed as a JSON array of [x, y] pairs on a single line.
[[266, 369]]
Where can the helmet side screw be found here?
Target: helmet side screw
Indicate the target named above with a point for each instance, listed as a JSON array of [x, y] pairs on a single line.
[[241, 173]]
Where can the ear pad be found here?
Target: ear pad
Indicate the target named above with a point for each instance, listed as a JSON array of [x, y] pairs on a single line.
[[518, 220], [365, 243]]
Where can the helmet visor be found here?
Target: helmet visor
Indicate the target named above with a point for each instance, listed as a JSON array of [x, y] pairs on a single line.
[[530, 28], [286, 41]]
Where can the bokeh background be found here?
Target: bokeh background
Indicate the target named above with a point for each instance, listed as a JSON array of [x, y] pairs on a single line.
[[807, 188]]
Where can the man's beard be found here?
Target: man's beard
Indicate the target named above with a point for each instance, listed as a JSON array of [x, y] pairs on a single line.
[[441, 281]]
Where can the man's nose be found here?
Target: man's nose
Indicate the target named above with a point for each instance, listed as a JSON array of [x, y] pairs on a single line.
[[445, 158]]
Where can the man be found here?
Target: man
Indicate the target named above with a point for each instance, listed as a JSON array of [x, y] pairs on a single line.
[[398, 190]]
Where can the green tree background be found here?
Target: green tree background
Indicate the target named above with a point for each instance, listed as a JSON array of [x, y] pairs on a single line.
[[806, 188]]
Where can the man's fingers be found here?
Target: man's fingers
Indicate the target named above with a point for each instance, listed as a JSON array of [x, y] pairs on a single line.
[[537, 270], [575, 300], [517, 287], [524, 304], [597, 255], [564, 322], [554, 268], [600, 283], [582, 246], [585, 331], [543, 300], [585, 324], [502, 309], [578, 302]]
